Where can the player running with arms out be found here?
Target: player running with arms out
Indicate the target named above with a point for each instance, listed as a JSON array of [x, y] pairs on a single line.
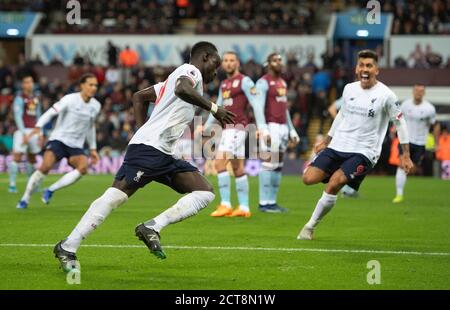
[[235, 93], [75, 124], [354, 141], [420, 115], [272, 101], [149, 156], [27, 110]]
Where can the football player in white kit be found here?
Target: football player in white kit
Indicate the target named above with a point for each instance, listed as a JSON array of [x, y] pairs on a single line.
[[75, 123], [354, 142], [149, 156], [420, 115]]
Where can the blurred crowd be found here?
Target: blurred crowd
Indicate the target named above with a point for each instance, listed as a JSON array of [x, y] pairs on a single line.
[[224, 16], [410, 16], [165, 16], [265, 16], [113, 16], [419, 16], [422, 58]]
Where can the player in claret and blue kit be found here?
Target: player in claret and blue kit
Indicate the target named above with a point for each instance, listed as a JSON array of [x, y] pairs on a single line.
[[27, 110], [236, 93], [275, 130]]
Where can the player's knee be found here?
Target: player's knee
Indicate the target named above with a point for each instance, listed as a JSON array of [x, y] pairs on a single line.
[[333, 188], [17, 157], [82, 170], [238, 172], [336, 184], [308, 179], [45, 169], [32, 160], [220, 168], [220, 165]]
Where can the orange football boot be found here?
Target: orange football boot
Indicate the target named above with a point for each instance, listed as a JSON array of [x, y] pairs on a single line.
[[239, 212], [222, 211]]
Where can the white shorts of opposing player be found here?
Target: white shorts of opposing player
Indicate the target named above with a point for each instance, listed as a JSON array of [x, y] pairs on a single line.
[[233, 142], [32, 146], [279, 138]]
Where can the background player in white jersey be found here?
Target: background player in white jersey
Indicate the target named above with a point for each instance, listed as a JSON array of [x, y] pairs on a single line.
[[27, 109], [236, 92], [353, 144], [420, 115], [75, 124], [149, 156]]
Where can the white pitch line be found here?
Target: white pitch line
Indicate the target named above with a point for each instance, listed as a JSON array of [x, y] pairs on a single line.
[[181, 247]]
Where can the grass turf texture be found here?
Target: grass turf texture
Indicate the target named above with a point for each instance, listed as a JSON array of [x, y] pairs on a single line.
[[420, 224]]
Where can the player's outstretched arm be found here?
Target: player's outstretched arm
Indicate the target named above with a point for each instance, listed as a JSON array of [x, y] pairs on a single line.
[[186, 92], [141, 101]]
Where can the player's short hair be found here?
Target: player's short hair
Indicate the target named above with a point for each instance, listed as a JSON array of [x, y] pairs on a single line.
[[419, 84], [232, 53], [202, 47], [368, 54], [86, 76], [271, 55], [266, 63], [26, 76]]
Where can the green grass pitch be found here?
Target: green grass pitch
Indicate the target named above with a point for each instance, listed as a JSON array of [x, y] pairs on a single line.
[[411, 241]]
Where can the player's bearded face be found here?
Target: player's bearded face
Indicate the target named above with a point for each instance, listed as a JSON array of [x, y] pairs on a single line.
[[276, 63], [230, 63], [89, 88], [366, 72]]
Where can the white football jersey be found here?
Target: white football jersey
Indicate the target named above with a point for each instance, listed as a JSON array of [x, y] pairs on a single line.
[[365, 118], [75, 119], [419, 118], [171, 115]]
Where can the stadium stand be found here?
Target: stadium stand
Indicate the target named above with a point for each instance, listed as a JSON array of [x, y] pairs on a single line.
[[165, 17], [411, 17]]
